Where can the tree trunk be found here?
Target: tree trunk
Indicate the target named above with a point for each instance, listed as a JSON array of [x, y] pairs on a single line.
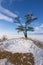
[[25, 34]]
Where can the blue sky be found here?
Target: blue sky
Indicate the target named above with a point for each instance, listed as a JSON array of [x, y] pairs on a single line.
[[13, 8]]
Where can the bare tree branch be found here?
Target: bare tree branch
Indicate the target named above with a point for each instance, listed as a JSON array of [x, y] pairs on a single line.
[[25, 28], [30, 29]]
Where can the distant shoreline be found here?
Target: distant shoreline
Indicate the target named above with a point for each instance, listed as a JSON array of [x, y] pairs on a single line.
[[36, 33], [40, 35]]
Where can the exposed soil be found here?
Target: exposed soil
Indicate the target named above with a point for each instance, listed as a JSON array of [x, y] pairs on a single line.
[[18, 58]]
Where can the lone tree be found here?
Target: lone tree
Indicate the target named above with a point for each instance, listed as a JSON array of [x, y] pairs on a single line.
[[24, 28]]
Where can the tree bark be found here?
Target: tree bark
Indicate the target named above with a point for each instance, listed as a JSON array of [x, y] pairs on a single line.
[[25, 34]]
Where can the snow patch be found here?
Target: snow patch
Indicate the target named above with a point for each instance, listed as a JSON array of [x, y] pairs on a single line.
[[24, 46]]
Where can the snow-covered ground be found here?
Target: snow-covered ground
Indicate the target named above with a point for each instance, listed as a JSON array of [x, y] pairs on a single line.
[[5, 62], [25, 46]]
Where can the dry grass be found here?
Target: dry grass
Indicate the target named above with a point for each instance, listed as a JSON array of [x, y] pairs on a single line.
[[37, 43], [18, 58]]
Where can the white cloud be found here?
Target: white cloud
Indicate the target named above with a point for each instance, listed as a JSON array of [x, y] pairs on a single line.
[[10, 2], [39, 28], [36, 28], [3, 17], [16, 12], [41, 25], [7, 15], [7, 12]]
